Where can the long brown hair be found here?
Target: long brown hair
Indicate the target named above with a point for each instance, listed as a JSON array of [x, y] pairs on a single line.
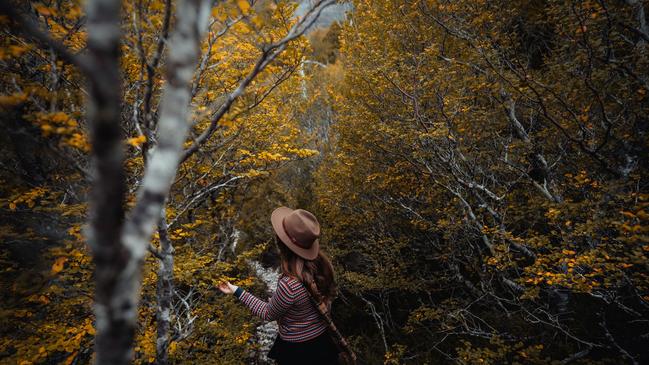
[[320, 270]]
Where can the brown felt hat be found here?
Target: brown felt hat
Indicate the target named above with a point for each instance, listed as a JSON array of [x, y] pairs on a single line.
[[298, 229]]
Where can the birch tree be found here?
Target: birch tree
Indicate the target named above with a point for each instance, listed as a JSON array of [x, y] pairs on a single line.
[[120, 239], [492, 146]]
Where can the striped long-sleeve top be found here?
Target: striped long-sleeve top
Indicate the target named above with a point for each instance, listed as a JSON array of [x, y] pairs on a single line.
[[292, 308]]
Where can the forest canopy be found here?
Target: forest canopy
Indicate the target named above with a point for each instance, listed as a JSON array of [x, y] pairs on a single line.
[[478, 168]]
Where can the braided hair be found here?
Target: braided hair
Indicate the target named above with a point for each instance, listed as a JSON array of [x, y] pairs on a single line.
[[317, 274]]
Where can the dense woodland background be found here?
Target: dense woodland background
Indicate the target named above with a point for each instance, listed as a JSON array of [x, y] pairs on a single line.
[[480, 169]]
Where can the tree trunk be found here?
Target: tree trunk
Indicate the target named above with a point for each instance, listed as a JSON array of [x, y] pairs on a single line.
[[115, 319], [164, 292], [119, 248]]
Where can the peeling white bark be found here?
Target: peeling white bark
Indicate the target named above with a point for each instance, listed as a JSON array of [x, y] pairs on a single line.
[[119, 245], [119, 248], [165, 291]]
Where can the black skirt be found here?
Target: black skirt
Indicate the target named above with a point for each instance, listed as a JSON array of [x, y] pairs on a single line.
[[317, 351]]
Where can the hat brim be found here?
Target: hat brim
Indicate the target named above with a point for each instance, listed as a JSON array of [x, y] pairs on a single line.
[[276, 219]]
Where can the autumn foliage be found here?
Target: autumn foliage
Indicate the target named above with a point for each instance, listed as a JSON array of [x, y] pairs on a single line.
[[485, 188], [479, 169]]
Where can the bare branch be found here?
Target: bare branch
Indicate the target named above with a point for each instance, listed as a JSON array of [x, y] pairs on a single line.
[[269, 53]]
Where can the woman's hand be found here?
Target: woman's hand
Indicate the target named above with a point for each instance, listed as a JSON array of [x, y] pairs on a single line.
[[227, 288]]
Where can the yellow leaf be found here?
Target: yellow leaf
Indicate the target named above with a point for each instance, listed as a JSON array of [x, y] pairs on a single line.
[[73, 13], [17, 50], [91, 330], [44, 10], [58, 265], [70, 358], [628, 214], [136, 141], [243, 5]]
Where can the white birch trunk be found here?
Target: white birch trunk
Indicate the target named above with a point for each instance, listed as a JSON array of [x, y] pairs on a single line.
[[164, 292], [119, 250], [114, 330]]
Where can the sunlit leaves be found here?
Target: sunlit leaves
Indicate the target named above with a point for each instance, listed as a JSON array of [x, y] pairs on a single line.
[[136, 141]]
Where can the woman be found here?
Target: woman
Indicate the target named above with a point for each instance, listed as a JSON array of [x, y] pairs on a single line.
[[303, 337]]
